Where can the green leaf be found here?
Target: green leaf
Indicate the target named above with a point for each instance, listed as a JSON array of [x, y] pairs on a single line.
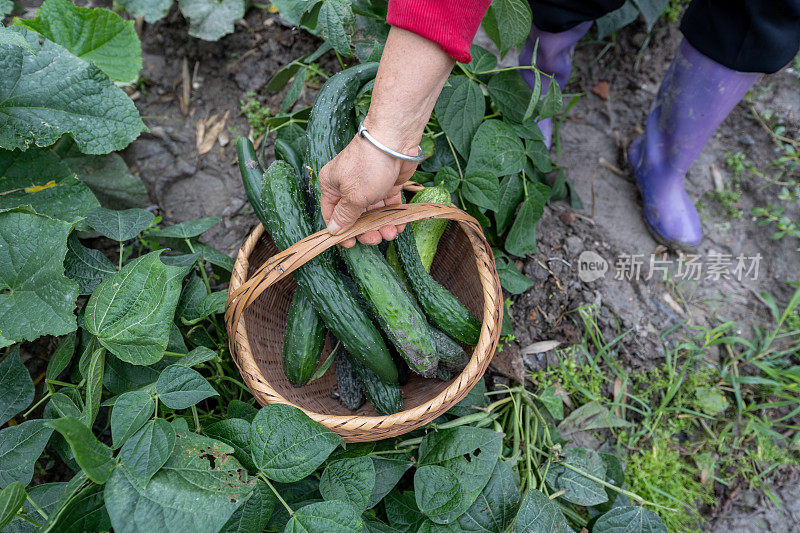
[[11, 499], [94, 457], [210, 304], [539, 514], [37, 178], [496, 149], [482, 188], [35, 297], [254, 514], [120, 377], [442, 445], [511, 279], [197, 490], [180, 387], [539, 155], [47, 496], [630, 519], [214, 256], [86, 511], [61, 357], [147, 450], [151, 10], [292, 11], [482, 59], [287, 445], [510, 195], [234, 432], [508, 23], [402, 511], [20, 447], [331, 517], [615, 474], [240, 409], [8, 37], [188, 229], [349, 480], [591, 416], [131, 411], [94, 387], [86, 266], [373, 525], [651, 10], [295, 89], [198, 356], [510, 94], [132, 310], [211, 19], [521, 239], [552, 103], [46, 95], [436, 490], [474, 398], [279, 80], [460, 109], [617, 19], [99, 36], [109, 179], [496, 506], [448, 178], [553, 402], [16, 386], [387, 473], [119, 225], [580, 489], [336, 22], [297, 495]]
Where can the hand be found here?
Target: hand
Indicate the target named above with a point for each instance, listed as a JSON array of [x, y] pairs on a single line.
[[361, 178]]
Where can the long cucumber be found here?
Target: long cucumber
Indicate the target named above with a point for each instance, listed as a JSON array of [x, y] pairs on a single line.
[[303, 340]]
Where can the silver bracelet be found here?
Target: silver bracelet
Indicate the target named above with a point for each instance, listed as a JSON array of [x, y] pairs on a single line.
[[362, 132]]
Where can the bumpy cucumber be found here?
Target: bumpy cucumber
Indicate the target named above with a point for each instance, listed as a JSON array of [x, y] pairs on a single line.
[[252, 174], [350, 392], [303, 340], [288, 223], [428, 232], [452, 356], [441, 307], [384, 397]]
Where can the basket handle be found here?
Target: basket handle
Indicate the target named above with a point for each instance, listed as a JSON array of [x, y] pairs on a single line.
[[284, 263]]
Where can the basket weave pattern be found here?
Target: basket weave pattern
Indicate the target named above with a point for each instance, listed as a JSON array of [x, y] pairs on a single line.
[[261, 290]]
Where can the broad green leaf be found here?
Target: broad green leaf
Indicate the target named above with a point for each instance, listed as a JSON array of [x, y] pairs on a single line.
[[631, 519], [201, 305], [373, 525], [402, 511], [120, 377], [553, 402], [151, 10], [188, 229], [539, 155], [295, 89], [388, 472], [20, 447], [35, 297], [615, 475], [109, 179], [47, 496], [16, 386], [86, 266], [119, 225], [651, 10], [511, 279], [510, 94], [496, 149], [94, 387], [8, 37], [510, 195], [552, 103], [508, 23], [46, 95], [234, 432], [185, 261], [180, 387], [496, 506], [214, 256], [292, 11], [591, 416], [192, 296], [279, 80], [349, 480], [297, 495], [131, 311], [198, 356], [474, 398], [331, 517], [460, 109], [86, 511], [96, 35], [61, 357], [580, 489], [287, 445], [482, 59], [240, 409], [61, 405], [131, 411], [442, 445], [437, 491], [146, 451], [197, 490], [447, 178], [11, 499], [617, 19], [211, 19], [521, 239], [443, 156], [94, 457], [539, 514], [254, 514], [336, 22], [482, 188], [37, 178]]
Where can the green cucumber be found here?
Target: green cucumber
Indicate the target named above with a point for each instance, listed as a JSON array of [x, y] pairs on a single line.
[[428, 232], [252, 174], [288, 223], [303, 340], [441, 307], [384, 397], [452, 356], [350, 392]]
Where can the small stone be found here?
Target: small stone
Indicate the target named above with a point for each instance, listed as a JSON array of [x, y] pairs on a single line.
[[602, 90], [574, 245], [746, 139], [566, 217]]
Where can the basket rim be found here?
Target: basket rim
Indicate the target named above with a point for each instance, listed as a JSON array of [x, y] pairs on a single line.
[[407, 419]]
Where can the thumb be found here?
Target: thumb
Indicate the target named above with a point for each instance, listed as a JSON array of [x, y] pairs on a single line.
[[345, 214]]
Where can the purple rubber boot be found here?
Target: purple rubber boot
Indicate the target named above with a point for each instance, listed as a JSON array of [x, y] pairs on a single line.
[[696, 95], [553, 57]]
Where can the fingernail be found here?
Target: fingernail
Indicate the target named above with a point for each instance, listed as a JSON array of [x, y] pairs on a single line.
[[334, 228]]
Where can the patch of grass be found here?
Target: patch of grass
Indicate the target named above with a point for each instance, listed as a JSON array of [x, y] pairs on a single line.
[[674, 9], [257, 115]]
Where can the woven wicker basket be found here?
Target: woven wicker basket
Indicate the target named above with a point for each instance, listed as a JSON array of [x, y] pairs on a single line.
[[261, 291]]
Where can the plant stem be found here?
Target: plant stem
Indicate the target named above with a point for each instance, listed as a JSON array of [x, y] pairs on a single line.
[[263, 478], [463, 421], [37, 404], [36, 506], [196, 419], [29, 520]]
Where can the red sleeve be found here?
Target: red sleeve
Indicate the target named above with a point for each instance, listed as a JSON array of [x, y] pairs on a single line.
[[451, 24]]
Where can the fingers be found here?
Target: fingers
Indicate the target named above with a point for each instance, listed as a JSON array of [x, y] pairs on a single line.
[[345, 213], [372, 237]]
